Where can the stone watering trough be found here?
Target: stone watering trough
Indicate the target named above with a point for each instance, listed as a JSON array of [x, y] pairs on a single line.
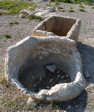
[[58, 25], [31, 60]]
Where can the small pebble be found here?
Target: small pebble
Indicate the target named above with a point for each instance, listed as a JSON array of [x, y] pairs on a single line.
[[31, 102], [51, 80], [76, 106], [51, 68], [40, 107], [21, 16], [61, 10], [40, 57], [34, 85], [58, 76], [40, 78], [48, 87], [66, 75], [58, 72], [69, 107], [62, 76], [16, 16]]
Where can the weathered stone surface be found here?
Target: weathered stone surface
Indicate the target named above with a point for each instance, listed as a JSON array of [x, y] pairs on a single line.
[[43, 13], [31, 102], [27, 12], [61, 10], [21, 16], [63, 91], [90, 87], [34, 53], [67, 27], [51, 9], [46, 14]]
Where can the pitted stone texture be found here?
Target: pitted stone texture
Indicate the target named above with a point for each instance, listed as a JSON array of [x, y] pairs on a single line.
[[34, 53], [58, 25]]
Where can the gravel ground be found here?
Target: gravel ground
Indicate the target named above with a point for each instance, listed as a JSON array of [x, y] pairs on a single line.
[[17, 31], [85, 102]]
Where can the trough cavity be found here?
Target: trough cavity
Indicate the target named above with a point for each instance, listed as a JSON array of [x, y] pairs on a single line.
[[57, 25]]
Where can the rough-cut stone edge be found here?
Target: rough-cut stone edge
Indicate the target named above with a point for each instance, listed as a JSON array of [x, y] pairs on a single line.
[[68, 91], [72, 34], [71, 90]]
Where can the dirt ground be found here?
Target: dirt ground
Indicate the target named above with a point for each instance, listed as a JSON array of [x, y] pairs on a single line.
[[83, 103]]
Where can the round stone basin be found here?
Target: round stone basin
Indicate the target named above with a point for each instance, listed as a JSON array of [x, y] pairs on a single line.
[[35, 57]]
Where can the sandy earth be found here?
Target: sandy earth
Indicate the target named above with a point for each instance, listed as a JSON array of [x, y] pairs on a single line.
[[85, 47]]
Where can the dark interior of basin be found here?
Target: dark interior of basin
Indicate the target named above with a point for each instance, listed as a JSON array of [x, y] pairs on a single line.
[[58, 25], [42, 78], [35, 76]]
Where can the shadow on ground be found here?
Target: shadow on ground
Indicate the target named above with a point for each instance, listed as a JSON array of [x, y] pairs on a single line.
[[87, 56], [75, 105]]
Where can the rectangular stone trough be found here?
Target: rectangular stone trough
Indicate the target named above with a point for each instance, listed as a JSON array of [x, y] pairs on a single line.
[[58, 26]]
